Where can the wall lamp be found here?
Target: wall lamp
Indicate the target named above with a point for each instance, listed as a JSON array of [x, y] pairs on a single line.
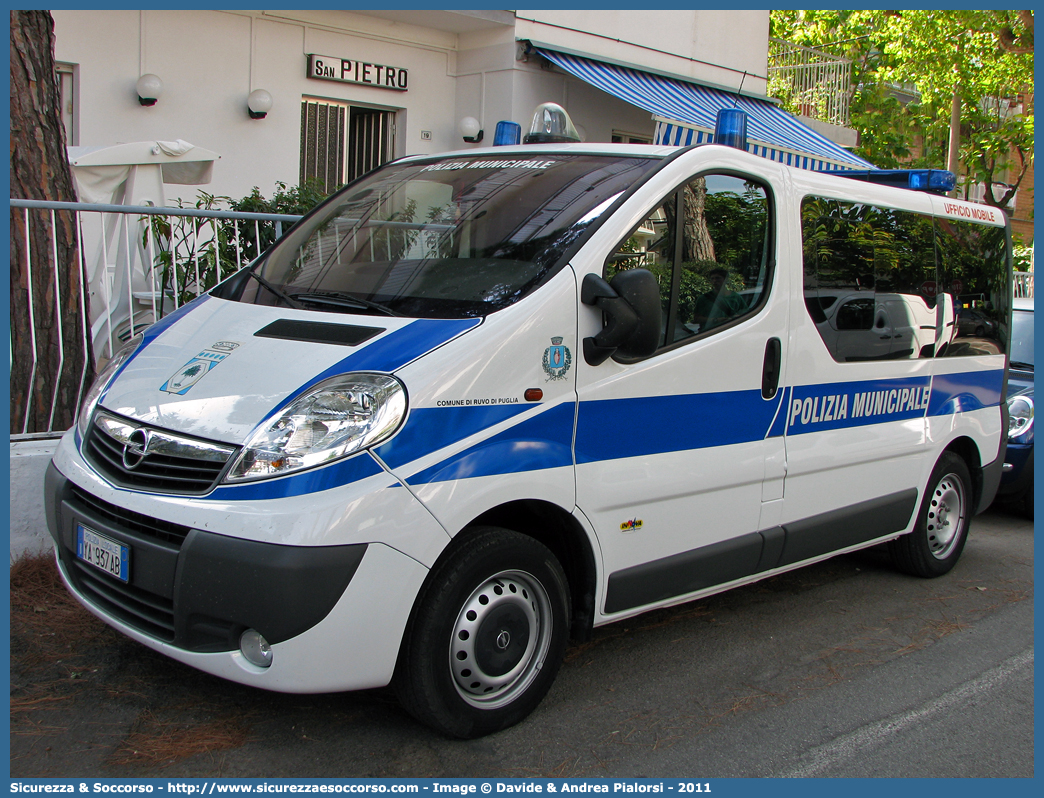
[[259, 103], [470, 129], [149, 88]]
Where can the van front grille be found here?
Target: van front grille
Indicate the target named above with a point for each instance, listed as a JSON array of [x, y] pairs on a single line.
[[135, 455]]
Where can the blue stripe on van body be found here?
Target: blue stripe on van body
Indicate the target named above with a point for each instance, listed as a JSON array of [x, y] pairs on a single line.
[[966, 391], [169, 320], [314, 480], [391, 352], [611, 429], [429, 429], [660, 424], [779, 423], [153, 331], [541, 442], [403, 346], [829, 406]]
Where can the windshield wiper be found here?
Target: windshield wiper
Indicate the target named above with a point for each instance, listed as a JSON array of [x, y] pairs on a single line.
[[274, 290], [1019, 364], [343, 301]]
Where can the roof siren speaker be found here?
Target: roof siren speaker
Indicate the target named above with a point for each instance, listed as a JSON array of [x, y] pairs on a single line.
[[551, 125], [731, 128]]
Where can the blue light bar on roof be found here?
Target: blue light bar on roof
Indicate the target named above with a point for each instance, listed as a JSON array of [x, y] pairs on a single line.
[[936, 180]]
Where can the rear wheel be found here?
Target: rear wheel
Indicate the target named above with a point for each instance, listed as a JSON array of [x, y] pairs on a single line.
[[938, 537], [487, 635]]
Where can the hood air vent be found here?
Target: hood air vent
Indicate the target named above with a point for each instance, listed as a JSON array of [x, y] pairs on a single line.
[[318, 332]]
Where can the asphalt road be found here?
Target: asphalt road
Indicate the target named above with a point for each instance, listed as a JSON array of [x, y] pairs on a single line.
[[845, 668]]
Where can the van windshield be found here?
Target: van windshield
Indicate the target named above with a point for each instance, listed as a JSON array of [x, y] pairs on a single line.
[[451, 238]]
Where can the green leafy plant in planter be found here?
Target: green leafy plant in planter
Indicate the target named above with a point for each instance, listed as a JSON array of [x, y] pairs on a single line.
[[192, 255]]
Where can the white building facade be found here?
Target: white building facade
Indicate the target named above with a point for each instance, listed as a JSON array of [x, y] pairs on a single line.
[[352, 89]]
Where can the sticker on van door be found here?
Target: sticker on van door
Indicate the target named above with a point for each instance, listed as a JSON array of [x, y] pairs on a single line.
[[818, 407], [557, 360]]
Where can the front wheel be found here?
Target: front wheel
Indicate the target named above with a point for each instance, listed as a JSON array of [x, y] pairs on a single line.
[[487, 635], [941, 531]]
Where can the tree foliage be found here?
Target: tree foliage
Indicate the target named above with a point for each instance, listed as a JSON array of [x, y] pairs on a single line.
[[906, 67]]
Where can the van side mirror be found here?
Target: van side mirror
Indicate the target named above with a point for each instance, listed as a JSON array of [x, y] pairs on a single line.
[[631, 304]]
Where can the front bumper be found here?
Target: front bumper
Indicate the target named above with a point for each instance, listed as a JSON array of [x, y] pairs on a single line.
[[333, 614]]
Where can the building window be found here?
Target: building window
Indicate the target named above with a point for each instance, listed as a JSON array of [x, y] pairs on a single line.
[[66, 74], [340, 142], [628, 138]]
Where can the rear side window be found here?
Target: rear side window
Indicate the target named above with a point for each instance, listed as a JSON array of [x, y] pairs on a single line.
[[872, 277], [975, 273], [709, 245]]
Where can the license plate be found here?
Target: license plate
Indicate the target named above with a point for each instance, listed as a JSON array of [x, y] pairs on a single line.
[[103, 553]]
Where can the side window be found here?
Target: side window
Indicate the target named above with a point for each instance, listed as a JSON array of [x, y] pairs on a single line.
[[856, 314], [650, 246], [869, 280], [973, 273], [708, 243]]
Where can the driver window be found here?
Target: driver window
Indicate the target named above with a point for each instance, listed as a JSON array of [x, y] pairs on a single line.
[[708, 245], [650, 246]]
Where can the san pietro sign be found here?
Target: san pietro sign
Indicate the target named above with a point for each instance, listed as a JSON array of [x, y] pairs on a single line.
[[344, 70]]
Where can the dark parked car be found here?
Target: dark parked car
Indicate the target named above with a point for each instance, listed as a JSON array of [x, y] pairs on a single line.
[[1016, 486], [972, 322]]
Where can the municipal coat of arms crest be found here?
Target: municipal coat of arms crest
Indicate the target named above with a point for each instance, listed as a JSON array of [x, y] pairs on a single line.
[[557, 360]]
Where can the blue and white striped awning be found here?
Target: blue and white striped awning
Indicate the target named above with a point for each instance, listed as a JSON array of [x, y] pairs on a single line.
[[685, 114]]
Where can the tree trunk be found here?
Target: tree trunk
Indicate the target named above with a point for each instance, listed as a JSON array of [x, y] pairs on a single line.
[[954, 150], [51, 355], [953, 153], [698, 242]]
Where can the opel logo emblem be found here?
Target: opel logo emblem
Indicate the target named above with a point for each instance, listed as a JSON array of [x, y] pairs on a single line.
[[135, 449], [503, 640]]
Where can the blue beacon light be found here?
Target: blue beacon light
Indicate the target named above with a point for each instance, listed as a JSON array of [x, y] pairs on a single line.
[[508, 133], [730, 128]]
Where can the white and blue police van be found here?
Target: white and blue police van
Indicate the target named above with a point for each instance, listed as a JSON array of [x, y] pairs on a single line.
[[477, 404]]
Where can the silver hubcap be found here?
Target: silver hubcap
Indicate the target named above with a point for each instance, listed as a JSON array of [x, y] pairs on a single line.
[[500, 639], [945, 520]]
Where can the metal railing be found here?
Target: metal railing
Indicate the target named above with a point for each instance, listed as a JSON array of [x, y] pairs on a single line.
[[139, 263], [1024, 285], [810, 82], [976, 192]]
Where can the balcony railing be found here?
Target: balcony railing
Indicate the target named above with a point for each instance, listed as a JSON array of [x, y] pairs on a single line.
[[1024, 285], [810, 82], [139, 264]]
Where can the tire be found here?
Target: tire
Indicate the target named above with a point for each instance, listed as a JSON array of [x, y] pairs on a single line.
[[486, 636], [979, 331], [938, 537]]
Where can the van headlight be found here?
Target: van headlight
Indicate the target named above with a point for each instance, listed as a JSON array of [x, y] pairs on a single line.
[[101, 382], [1020, 416], [332, 419]]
